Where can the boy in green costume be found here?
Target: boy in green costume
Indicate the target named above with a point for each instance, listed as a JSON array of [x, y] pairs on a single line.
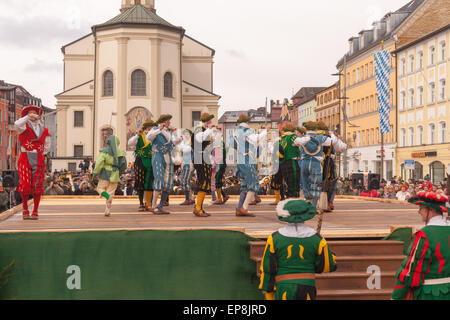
[[294, 254]]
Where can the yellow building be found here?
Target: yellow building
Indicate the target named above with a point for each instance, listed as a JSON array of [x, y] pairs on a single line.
[[360, 123], [423, 100]]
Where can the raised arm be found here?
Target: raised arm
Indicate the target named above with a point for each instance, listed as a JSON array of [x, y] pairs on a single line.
[[301, 141], [21, 124]]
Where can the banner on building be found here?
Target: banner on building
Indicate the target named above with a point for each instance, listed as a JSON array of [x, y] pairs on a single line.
[[382, 74]]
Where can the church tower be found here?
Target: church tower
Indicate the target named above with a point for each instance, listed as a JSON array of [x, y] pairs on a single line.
[[149, 4]]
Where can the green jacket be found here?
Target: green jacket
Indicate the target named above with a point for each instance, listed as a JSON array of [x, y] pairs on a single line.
[[111, 161]]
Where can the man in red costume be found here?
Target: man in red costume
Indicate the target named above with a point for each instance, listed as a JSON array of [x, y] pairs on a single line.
[[34, 145]]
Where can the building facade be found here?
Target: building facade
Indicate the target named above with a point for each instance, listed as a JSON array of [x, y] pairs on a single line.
[[424, 108], [130, 69], [327, 107], [304, 104], [361, 121]]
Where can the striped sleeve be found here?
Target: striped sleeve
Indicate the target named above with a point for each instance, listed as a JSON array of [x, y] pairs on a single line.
[[268, 267], [326, 260], [412, 269]]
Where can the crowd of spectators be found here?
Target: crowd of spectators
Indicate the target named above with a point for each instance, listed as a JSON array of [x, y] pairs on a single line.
[[395, 188]]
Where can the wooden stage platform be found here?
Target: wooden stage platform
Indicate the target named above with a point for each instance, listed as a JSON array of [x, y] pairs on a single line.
[[352, 218]]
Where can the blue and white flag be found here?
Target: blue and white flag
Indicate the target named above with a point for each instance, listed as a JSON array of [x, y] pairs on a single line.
[[382, 75]]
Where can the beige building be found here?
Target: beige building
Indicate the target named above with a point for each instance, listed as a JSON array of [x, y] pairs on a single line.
[[327, 106], [131, 68], [424, 108]]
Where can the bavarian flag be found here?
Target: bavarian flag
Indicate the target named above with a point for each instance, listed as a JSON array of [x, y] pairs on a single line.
[[382, 73]]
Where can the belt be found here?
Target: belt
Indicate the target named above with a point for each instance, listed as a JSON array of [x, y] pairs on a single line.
[[295, 276], [436, 281]]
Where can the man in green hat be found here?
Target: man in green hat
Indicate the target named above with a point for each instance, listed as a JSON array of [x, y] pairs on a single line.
[[425, 272], [163, 141], [143, 165], [202, 140], [294, 254], [110, 164]]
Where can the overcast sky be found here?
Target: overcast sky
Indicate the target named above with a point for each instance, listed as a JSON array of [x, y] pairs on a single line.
[[264, 48]]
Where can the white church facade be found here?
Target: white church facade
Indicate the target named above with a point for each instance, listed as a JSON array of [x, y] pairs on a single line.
[[131, 68]]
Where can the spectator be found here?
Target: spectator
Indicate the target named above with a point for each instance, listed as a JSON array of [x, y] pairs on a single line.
[[371, 194], [403, 194]]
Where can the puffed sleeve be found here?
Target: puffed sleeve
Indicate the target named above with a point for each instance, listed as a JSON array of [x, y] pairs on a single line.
[[410, 273], [326, 260], [268, 267]]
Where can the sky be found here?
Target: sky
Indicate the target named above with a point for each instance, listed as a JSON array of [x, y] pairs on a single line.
[[264, 48]]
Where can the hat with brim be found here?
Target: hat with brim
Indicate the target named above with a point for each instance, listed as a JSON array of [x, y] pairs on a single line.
[[310, 125], [148, 124], [205, 117], [30, 108], [164, 117], [322, 126], [295, 211], [430, 199], [243, 118], [188, 131], [288, 127]]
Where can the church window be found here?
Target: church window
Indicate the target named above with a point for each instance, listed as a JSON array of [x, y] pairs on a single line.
[[138, 83], [108, 84], [168, 85], [78, 119]]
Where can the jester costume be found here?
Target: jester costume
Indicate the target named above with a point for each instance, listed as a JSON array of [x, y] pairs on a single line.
[[163, 143], [187, 168], [288, 153], [222, 158], [110, 164], [143, 167], [202, 141], [425, 272], [294, 254], [276, 179], [311, 170], [246, 144], [34, 145]]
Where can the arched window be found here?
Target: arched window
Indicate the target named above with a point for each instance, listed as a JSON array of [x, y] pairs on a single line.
[[442, 132], [431, 133], [411, 136], [437, 171], [138, 83], [419, 135], [402, 137], [108, 84], [168, 85]]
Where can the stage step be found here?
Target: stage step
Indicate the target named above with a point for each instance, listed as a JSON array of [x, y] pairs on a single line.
[[359, 262], [383, 294]]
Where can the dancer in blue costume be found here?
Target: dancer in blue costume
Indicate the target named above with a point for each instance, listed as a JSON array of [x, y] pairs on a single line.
[[246, 144], [187, 166], [163, 142], [311, 161]]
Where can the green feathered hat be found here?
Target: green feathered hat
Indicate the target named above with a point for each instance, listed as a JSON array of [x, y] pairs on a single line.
[[148, 124], [205, 117], [295, 211], [310, 125], [322, 126], [243, 118], [164, 117], [430, 199]]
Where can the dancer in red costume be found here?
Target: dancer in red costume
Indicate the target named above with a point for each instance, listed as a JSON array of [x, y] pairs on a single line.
[[34, 145]]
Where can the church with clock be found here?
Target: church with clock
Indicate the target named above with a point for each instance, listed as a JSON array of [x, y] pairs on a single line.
[[129, 69]]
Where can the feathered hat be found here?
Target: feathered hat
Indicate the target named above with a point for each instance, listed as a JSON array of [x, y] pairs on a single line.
[[430, 199], [205, 117], [148, 124], [310, 125], [295, 211], [27, 109], [243, 118], [164, 117]]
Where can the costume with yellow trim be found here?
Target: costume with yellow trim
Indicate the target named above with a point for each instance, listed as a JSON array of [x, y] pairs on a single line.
[[289, 167], [425, 272], [294, 254], [143, 167]]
